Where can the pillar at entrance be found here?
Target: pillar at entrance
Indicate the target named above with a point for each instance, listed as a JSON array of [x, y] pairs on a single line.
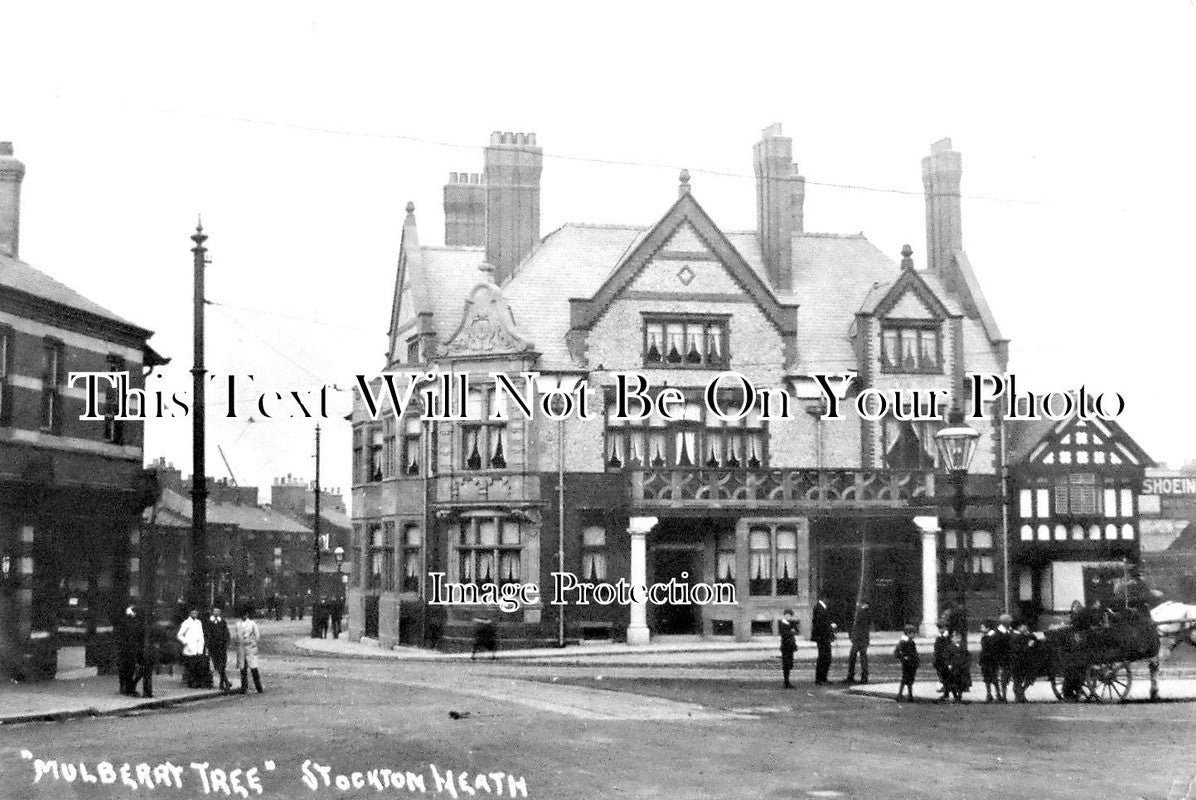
[[929, 526], [638, 527]]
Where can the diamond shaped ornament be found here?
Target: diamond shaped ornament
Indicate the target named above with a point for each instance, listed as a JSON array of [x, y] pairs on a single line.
[[685, 275]]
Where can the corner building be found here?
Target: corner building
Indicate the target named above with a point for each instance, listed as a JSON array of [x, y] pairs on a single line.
[[782, 508]]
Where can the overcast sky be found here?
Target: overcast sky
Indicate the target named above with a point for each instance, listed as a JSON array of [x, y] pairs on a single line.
[[301, 131]]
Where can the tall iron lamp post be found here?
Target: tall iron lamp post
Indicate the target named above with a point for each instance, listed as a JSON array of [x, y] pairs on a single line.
[[956, 445]]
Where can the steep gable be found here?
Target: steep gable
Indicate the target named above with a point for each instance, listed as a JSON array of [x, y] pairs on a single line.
[[411, 301], [1074, 443], [685, 237]]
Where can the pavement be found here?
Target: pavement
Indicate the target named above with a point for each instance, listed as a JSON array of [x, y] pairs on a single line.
[[673, 651], [96, 696], [1170, 689]]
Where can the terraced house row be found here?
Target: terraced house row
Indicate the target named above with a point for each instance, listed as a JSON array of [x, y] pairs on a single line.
[[782, 508]]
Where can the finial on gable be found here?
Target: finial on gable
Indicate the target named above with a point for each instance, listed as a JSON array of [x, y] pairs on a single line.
[[906, 261], [683, 187], [410, 208], [487, 270]]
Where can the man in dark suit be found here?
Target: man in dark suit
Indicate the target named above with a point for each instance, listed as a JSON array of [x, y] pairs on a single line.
[[822, 633], [861, 637], [215, 637], [130, 645], [788, 630]]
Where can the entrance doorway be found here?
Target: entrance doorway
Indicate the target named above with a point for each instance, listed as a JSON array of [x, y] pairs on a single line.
[[889, 554], [684, 565]]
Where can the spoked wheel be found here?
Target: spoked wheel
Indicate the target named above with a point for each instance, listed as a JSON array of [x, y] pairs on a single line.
[[1108, 683]]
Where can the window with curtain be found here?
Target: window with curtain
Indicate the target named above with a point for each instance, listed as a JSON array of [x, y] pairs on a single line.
[[484, 440], [786, 540], [375, 454], [593, 553], [760, 561], [358, 455], [489, 550], [695, 438], [911, 347], [412, 432], [412, 542], [686, 342], [377, 555], [724, 568]]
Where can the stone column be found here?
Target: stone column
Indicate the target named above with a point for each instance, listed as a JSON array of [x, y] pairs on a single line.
[[638, 527], [805, 572], [929, 526]]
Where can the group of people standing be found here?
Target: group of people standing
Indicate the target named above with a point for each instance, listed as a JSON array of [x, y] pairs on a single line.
[[202, 641], [328, 615], [1008, 654]]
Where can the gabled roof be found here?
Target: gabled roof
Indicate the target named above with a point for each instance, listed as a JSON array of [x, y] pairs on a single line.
[[973, 297], [686, 211], [487, 326], [16, 274], [1029, 439], [882, 301]]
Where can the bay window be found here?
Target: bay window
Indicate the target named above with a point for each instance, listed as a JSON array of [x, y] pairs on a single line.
[[685, 341], [489, 550]]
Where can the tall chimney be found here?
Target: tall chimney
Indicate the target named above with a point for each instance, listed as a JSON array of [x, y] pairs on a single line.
[[12, 172], [780, 197], [512, 179], [940, 176], [464, 210]]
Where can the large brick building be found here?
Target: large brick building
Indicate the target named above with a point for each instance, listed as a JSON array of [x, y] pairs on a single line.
[[71, 491], [781, 508]]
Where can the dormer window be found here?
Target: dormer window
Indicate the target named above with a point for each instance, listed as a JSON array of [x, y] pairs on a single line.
[[686, 342], [911, 347]]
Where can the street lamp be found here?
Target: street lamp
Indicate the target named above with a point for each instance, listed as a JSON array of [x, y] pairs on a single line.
[[956, 445]]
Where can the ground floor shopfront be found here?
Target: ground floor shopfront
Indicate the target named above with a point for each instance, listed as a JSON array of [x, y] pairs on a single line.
[[890, 551], [66, 570]]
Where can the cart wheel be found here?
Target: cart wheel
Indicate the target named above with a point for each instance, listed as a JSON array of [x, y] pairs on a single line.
[[1109, 682]]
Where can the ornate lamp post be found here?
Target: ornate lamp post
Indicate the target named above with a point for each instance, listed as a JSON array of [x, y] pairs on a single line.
[[339, 555], [956, 445]]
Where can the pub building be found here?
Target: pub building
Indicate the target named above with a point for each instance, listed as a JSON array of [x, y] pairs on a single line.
[[785, 509], [1074, 513], [71, 490]]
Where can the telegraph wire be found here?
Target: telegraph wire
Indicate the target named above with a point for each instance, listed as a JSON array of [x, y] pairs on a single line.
[[579, 158]]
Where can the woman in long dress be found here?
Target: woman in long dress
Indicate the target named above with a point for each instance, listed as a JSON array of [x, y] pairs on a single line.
[[245, 636]]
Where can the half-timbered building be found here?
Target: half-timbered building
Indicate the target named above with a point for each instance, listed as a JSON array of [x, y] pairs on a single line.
[[1074, 512]]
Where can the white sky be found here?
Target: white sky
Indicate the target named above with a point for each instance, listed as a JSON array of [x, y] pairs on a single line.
[[133, 118]]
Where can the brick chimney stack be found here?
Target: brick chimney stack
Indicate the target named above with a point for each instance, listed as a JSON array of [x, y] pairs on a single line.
[[513, 164], [12, 172], [465, 210], [940, 176], [780, 199]]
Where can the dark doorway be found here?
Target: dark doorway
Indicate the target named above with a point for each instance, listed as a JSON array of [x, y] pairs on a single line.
[[889, 551], [371, 617], [684, 566]]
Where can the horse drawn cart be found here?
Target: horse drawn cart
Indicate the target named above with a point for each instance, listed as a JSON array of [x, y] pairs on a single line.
[[1093, 663]]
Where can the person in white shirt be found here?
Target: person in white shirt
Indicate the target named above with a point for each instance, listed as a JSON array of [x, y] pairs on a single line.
[[191, 636], [245, 636]]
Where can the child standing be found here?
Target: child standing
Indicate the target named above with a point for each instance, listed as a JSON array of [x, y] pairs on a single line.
[[990, 660], [959, 678], [907, 653]]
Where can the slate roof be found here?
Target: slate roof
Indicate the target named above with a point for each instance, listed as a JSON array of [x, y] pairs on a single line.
[[174, 510], [16, 274]]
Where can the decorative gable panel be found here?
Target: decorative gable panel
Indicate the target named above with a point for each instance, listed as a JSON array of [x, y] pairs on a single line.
[[487, 327], [910, 306]]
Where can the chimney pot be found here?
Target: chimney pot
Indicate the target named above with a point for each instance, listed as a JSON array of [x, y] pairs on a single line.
[[780, 199], [773, 131], [511, 182], [941, 172], [12, 173]]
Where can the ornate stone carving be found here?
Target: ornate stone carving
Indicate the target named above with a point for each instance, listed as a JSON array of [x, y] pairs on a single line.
[[487, 325]]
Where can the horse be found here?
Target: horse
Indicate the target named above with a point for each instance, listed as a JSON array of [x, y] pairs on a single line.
[[1175, 622]]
